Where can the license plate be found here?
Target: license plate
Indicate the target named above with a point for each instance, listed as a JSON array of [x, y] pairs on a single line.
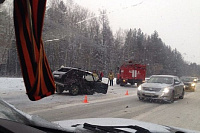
[[149, 94]]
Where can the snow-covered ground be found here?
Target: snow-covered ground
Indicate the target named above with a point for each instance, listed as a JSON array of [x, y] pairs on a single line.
[[13, 91], [17, 84], [11, 84]]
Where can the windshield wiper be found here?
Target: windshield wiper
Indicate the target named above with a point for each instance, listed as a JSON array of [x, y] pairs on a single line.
[[113, 129]]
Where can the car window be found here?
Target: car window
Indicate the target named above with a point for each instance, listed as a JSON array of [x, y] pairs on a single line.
[[166, 80], [89, 77], [64, 70]]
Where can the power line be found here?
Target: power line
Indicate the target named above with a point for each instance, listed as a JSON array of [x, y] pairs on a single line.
[[123, 8]]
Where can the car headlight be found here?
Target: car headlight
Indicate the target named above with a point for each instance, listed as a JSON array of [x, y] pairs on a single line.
[[166, 90], [193, 84], [140, 88]]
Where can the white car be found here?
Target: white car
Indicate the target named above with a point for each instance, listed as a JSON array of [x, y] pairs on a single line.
[[161, 87]]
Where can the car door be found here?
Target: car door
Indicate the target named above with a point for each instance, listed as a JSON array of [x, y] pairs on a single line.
[[177, 86], [181, 86], [100, 87]]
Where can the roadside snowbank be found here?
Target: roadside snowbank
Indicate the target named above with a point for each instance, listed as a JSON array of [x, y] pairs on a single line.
[[17, 84], [11, 84]]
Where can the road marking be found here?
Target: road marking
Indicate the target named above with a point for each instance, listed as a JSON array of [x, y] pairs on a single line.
[[81, 103]]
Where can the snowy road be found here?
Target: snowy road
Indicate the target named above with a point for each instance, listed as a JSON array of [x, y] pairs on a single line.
[[182, 113], [13, 91]]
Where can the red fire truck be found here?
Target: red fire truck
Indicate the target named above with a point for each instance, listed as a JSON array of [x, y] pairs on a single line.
[[131, 73]]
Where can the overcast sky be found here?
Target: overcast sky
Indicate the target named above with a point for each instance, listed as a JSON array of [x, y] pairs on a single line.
[[176, 21]]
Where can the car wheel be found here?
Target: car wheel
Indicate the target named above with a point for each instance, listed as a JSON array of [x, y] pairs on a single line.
[[122, 84], [74, 90], [59, 89], [172, 98], [140, 98], [89, 90], [182, 95]]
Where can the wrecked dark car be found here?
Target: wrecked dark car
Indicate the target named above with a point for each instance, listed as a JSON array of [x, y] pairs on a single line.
[[78, 81]]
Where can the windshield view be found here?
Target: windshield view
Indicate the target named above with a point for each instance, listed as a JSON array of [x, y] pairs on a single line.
[[100, 65]]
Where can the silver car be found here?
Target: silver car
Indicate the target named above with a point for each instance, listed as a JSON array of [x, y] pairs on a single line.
[[162, 87]]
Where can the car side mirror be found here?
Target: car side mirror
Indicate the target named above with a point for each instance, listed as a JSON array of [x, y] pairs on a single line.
[[176, 82]]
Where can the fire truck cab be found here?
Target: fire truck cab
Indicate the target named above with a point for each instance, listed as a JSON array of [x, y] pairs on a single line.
[[131, 73]]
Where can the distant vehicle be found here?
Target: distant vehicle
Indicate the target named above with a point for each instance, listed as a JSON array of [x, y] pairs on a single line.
[[162, 87], [78, 81], [196, 79], [131, 73], [189, 82]]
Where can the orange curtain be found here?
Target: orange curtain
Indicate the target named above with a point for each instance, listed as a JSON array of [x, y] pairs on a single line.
[[28, 22]]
